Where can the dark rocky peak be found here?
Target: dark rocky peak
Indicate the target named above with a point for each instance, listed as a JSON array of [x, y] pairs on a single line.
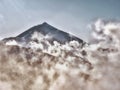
[[47, 30]]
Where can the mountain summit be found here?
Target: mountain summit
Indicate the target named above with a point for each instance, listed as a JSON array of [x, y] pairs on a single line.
[[53, 33], [46, 32]]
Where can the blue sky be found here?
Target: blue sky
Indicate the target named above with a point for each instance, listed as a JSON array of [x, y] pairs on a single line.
[[72, 16]]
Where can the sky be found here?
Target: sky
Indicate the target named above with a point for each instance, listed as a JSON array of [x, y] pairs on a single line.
[[72, 16]]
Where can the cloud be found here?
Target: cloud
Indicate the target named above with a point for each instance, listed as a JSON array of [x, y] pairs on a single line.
[[64, 67]]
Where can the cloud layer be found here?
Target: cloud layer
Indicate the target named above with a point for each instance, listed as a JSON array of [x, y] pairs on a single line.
[[64, 67]]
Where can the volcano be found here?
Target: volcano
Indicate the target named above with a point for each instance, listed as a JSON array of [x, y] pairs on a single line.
[[47, 32]]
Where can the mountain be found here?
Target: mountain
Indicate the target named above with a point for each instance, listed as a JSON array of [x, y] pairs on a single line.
[[46, 32], [54, 33]]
